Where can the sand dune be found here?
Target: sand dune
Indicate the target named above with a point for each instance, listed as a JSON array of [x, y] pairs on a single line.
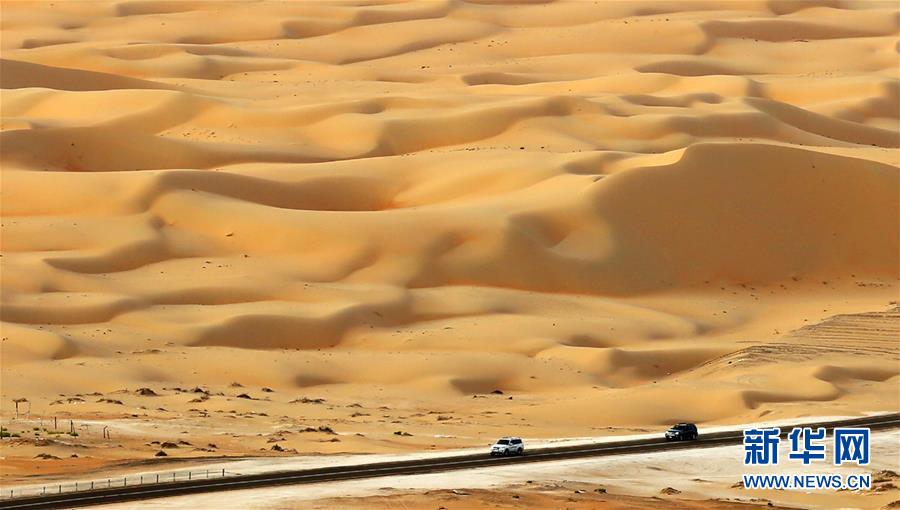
[[612, 212]]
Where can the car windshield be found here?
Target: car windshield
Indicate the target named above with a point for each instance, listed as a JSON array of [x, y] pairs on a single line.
[[503, 441]]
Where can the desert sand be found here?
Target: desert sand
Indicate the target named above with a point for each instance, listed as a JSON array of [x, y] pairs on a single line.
[[393, 226]]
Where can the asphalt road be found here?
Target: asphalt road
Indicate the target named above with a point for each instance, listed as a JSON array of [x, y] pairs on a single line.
[[418, 466]]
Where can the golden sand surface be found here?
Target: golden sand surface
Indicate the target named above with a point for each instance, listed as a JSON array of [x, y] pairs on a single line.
[[383, 226], [539, 498]]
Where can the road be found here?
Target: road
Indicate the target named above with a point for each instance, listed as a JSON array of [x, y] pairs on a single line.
[[418, 466]]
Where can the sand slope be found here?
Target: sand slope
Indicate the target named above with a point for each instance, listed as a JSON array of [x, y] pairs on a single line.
[[586, 205]]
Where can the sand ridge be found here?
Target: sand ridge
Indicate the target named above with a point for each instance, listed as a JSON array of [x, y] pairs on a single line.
[[614, 213]]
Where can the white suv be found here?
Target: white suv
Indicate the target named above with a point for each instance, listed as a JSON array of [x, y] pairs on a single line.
[[508, 446]]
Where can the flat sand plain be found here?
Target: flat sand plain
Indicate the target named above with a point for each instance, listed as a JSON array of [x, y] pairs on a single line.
[[395, 226]]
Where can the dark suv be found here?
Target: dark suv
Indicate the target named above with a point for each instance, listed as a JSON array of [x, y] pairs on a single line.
[[682, 432]]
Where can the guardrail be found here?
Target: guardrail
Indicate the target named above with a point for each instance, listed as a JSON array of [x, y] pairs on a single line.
[[114, 482]]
